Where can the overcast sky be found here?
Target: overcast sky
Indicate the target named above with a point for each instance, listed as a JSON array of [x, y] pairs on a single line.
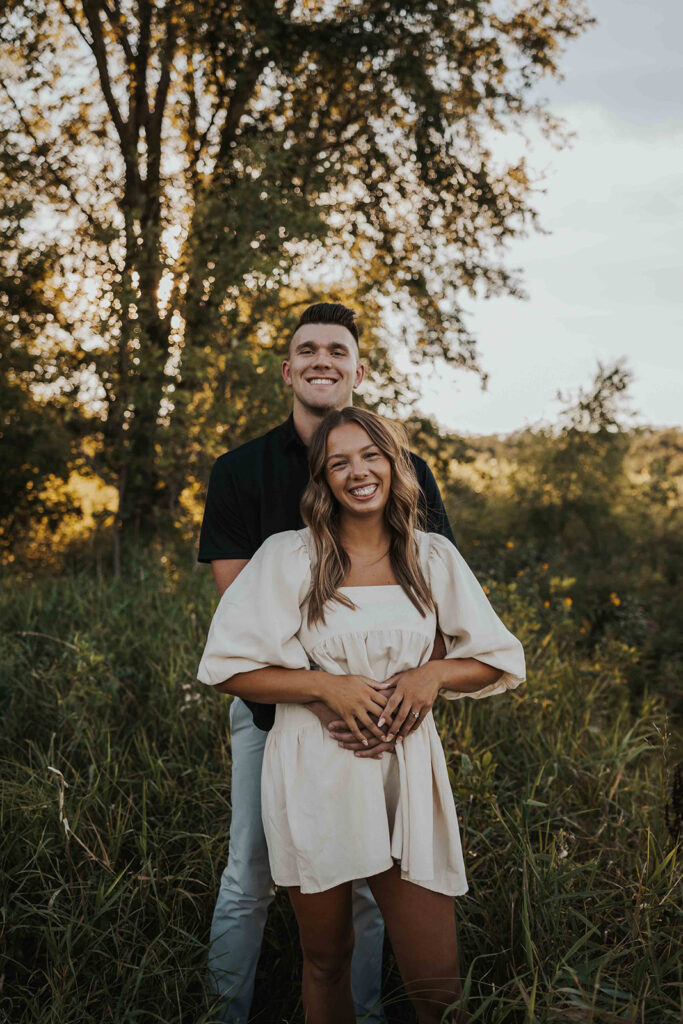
[[608, 281]]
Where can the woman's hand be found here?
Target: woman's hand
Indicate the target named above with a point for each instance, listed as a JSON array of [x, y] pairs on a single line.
[[414, 693], [372, 745], [358, 701]]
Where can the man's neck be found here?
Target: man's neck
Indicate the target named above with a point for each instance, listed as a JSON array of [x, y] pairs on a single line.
[[307, 421]]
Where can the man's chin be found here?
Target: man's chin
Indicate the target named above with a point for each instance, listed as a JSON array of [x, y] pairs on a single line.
[[321, 404]]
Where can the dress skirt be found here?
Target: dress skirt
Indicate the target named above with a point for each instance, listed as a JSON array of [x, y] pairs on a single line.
[[330, 817]]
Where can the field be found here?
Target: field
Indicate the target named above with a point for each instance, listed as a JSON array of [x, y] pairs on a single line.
[[116, 811]]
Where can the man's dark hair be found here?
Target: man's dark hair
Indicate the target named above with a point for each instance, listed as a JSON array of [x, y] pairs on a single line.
[[330, 313]]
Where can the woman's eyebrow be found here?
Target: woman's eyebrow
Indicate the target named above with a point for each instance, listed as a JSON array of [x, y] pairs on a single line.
[[344, 455]]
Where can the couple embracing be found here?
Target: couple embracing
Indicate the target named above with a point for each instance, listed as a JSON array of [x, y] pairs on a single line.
[[346, 610]]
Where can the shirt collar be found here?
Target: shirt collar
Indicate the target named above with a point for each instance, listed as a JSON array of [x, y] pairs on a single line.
[[290, 438]]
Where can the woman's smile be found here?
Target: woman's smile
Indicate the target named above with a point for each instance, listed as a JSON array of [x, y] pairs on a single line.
[[363, 491]]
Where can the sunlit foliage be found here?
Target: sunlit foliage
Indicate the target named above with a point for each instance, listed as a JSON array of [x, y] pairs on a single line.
[[178, 173]]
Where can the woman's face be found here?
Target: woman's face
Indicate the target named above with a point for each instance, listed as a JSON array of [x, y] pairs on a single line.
[[357, 472]]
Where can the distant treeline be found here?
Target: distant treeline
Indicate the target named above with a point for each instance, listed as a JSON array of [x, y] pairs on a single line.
[[586, 515]]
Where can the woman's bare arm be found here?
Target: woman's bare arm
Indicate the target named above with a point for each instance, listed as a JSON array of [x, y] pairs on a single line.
[[275, 685], [355, 699], [417, 689], [464, 675]]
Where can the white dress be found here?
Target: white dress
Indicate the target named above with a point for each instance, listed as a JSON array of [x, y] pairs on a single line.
[[330, 816]]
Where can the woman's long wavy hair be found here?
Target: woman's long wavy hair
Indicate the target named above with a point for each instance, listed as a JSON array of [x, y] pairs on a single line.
[[320, 511]]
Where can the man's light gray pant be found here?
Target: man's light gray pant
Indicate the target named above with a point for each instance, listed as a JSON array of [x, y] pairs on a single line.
[[246, 893]]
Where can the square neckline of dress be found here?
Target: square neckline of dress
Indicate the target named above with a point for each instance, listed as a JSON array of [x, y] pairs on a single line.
[[371, 586]]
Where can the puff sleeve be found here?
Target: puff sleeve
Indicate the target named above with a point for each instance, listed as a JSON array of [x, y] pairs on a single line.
[[470, 627], [259, 615]]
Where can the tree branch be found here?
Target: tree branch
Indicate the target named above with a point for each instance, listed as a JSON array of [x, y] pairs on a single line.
[[58, 178], [117, 20], [98, 49], [166, 62], [139, 113], [241, 95], [74, 21]]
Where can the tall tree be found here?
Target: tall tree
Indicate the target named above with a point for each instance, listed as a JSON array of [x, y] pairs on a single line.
[[571, 484], [37, 443], [195, 163]]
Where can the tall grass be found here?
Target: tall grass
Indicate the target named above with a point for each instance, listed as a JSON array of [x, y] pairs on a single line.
[[116, 812]]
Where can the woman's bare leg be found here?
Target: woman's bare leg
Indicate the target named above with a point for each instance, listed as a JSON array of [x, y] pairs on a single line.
[[326, 931], [422, 930]]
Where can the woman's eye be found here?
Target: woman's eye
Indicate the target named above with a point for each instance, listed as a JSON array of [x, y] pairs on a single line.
[[372, 455]]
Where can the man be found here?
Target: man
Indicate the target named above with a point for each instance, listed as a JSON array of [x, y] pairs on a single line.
[[253, 493]]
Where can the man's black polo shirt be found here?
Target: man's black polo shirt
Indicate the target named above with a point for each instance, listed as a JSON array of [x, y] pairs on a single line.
[[255, 491]]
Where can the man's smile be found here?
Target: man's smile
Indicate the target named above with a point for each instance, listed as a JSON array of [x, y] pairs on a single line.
[[322, 380]]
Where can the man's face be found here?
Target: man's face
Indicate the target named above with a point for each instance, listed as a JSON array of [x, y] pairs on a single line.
[[323, 367]]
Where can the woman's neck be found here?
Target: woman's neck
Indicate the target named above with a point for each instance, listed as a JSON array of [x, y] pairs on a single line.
[[364, 534]]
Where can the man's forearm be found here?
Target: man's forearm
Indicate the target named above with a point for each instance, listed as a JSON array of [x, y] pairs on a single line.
[[323, 712], [226, 570], [439, 648], [276, 685]]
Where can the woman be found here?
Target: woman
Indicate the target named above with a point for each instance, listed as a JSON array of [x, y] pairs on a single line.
[[346, 612]]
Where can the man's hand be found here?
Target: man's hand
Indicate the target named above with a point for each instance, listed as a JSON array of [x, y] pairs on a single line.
[[374, 745], [357, 700], [324, 714], [339, 731]]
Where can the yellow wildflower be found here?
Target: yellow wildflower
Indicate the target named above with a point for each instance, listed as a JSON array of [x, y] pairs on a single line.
[[616, 601], [568, 602], [546, 604], [510, 544], [486, 590]]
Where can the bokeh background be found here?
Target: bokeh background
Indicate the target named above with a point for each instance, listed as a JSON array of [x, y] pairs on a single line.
[[495, 187]]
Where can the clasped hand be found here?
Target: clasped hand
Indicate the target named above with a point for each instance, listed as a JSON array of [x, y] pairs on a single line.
[[402, 702]]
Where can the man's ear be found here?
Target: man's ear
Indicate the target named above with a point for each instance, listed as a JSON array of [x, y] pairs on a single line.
[[360, 373], [286, 375]]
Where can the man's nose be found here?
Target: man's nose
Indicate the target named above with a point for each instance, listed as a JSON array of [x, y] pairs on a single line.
[[322, 358]]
